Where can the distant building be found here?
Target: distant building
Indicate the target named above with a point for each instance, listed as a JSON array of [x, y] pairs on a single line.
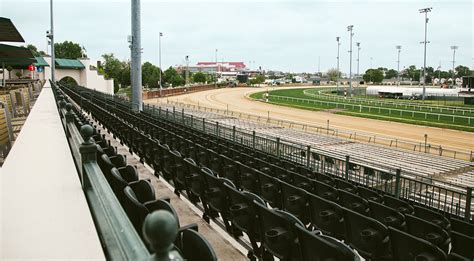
[[212, 67]]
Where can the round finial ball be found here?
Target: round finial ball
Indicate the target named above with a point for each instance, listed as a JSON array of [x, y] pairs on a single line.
[[160, 230], [87, 131], [68, 106]]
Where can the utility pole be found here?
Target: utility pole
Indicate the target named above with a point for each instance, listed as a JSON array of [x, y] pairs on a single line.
[[425, 11], [454, 48], [217, 69], [349, 28], [399, 48], [159, 62], [50, 35], [358, 50], [187, 69], [337, 77], [136, 71], [319, 65]]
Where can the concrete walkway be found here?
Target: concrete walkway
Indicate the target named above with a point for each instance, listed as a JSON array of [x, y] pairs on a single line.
[[43, 211]]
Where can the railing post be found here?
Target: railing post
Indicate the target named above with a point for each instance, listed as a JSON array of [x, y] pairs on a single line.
[[88, 150], [204, 125], [233, 133], [217, 128], [69, 118], [347, 167], [192, 121], [397, 183], [253, 139], [308, 156], [467, 211], [278, 147]]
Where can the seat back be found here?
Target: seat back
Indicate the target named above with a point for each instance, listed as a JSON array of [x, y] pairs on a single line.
[[428, 231], [367, 235], [319, 247], [135, 210], [462, 245], [143, 190], [326, 216], [408, 247], [270, 189], [433, 217], [295, 201], [388, 216], [398, 204], [325, 191], [195, 247], [353, 201], [277, 230], [462, 227]]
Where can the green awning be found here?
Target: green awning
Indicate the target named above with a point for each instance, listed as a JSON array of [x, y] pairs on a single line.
[[40, 62], [15, 56], [8, 31], [69, 64]]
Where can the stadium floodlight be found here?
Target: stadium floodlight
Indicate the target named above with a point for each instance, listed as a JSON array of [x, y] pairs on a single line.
[[337, 77], [399, 48], [350, 28], [425, 11], [358, 50], [454, 48], [159, 59]]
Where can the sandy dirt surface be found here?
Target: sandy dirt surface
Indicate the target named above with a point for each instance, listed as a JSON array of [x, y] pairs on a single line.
[[235, 99]]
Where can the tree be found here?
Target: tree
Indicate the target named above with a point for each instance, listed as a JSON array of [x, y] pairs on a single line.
[[333, 73], [373, 75], [150, 75], [9, 69], [172, 77], [68, 50], [112, 68], [390, 74], [199, 77], [462, 71], [34, 50]]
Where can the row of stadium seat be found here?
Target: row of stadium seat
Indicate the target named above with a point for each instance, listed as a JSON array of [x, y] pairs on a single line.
[[137, 197], [192, 161]]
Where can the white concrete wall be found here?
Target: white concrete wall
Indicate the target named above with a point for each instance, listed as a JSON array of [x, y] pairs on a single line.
[[85, 77]]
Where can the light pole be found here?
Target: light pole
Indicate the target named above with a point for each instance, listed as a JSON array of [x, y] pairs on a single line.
[[337, 77], [319, 65], [399, 48], [217, 70], [358, 50], [50, 35], [187, 69], [349, 28], [159, 61], [454, 48], [425, 11]]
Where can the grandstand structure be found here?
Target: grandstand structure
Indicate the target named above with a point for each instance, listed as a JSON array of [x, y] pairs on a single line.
[[275, 191]]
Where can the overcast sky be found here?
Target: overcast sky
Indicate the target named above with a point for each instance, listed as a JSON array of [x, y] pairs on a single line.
[[277, 35]]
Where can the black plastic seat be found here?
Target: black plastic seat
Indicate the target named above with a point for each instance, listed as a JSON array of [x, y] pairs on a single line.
[[433, 217], [136, 195], [327, 216], [295, 201], [248, 178], [217, 198], [270, 189], [386, 215], [243, 216], [428, 231], [398, 204], [462, 246], [326, 191], [462, 227], [410, 248], [278, 232], [367, 235], [345, 185], [315, 247], [120, 179], [303, 182], [195, 247], [354, 202], [369, 194]]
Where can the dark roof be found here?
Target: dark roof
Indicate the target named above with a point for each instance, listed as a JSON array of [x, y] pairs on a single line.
[[8, 31], [69, 64], [15, 56]]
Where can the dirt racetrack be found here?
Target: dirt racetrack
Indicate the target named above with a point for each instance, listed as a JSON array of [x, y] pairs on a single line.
[[236, 99]]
